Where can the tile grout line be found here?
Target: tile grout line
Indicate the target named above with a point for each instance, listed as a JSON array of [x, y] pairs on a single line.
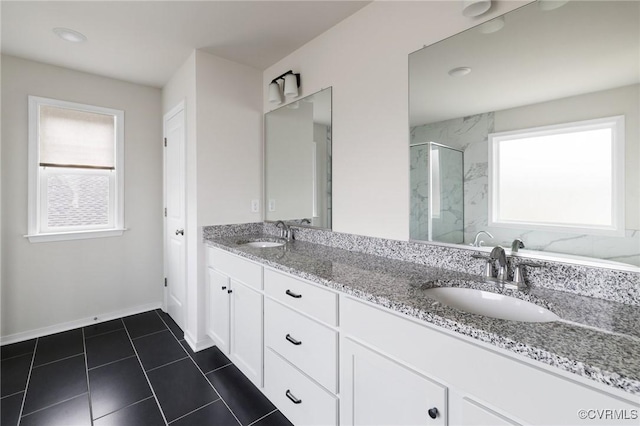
[[110, 362], [26, 386], [127, 406], [86, 372], [193, 411], [152, 333], [103, 333], [218, 368], [263, 417], [13, 394], [61, 359], [15, 356], [153, 392], [57, 403], [168, 363], [200, 370]]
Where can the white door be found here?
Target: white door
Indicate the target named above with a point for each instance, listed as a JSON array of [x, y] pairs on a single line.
[[174, 234]]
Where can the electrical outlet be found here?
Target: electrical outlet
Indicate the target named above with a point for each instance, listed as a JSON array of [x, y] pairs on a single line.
[[272, 205], [255, 206]]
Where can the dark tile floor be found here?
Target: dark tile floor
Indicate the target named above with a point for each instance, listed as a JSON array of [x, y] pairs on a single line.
[[136, 371]]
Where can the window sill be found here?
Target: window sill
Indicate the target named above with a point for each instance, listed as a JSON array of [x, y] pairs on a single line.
[[75, 235]]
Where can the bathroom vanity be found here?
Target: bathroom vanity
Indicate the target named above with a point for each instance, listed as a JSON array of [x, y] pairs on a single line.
[[351, 338]]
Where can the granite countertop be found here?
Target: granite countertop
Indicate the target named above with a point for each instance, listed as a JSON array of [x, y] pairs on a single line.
[[595, 338]]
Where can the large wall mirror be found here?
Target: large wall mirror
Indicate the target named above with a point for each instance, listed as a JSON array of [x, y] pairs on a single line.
[[527, 127], [297, 162]]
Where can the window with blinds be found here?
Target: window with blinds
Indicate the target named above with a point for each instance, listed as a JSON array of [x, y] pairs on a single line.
[[76, 174]]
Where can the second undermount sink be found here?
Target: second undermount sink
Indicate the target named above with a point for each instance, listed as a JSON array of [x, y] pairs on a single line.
[[491, 304]]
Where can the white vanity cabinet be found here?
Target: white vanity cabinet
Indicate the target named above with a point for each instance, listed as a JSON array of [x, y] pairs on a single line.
[[235, 311], [470, 383], [301, 349]]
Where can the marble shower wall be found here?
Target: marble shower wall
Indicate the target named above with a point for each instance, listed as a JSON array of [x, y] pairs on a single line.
[[470, 134]]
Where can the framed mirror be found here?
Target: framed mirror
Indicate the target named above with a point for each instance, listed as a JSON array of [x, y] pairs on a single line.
[[297, 162], [527, 127]]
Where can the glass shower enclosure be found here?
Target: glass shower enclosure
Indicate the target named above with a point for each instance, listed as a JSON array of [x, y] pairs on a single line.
[[437, 193]]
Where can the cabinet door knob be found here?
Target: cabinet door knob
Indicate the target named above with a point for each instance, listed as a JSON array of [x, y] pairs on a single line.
[[179, 231], [433, 412], [229, 291], [292, 398], [224, 287], [292, 294], [292, 340]]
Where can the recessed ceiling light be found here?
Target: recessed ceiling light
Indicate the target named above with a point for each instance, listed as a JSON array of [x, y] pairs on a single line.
[[70, 35], [492, 26], [473, 8], [459, 72]]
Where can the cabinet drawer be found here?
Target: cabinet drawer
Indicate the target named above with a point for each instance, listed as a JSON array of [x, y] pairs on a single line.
[[312, 300], [236, 267], [305, 343], [284, 384]]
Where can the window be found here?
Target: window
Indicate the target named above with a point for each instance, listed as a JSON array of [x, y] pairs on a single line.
[[568, 178], [75, 170]]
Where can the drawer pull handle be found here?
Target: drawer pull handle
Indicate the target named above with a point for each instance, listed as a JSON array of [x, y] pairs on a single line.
[[292, 340], [224, 287], [229, 291], [292, 398], [433, 412], [292, 294]]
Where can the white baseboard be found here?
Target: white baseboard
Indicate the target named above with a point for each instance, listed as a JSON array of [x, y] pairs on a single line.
[[197, 346], [96, 319]]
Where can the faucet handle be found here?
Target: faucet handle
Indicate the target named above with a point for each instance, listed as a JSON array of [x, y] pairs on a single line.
[[488, 267], [518, 276]]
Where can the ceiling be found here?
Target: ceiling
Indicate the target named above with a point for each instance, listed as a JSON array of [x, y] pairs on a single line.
[[581, 47], [145, 42]]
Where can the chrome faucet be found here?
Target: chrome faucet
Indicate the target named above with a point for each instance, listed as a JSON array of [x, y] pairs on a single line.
[[516, 244], [477, 242], [499, 254], [285, 232]]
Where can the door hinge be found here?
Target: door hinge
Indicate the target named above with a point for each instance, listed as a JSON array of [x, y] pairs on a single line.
[[165, 212], [165, 282], [165, 141]]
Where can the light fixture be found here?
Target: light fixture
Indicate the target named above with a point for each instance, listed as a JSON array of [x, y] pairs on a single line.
[[473, 8], [547, 5], [274, 93], [70, 35], [459, 71], [492, 26], [290, 84]]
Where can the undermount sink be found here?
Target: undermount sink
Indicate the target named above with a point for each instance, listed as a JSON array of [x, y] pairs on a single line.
[[263, 244], [491, 304]]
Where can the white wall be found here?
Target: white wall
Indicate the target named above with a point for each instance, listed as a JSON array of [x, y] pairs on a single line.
[[365, 59], [224, 158], [55, 283]]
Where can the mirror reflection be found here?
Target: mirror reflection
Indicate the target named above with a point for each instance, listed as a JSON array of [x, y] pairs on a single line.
[[298, 162], [526, 127]]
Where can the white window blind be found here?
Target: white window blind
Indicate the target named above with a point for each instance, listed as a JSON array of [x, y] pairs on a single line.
[[79, 139]]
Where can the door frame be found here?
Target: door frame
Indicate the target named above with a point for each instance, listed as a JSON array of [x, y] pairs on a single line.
[[180, 107]]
